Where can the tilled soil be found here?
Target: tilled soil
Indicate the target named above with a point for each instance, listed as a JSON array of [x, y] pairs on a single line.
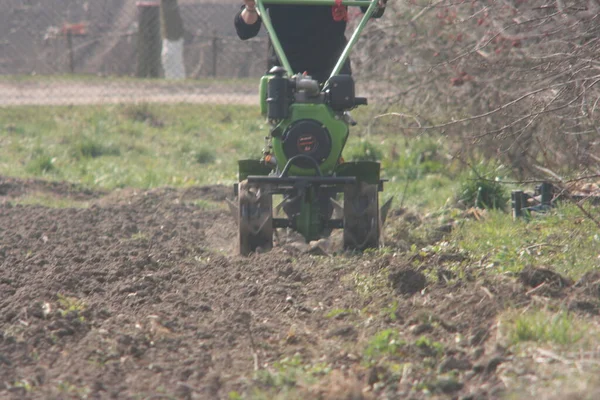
[[141, 296]]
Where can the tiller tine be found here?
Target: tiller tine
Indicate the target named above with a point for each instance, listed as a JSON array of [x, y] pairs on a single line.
[[338, 209], [384, 210]]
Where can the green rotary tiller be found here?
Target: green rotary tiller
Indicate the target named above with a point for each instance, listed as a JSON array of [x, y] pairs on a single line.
[[302, 159]]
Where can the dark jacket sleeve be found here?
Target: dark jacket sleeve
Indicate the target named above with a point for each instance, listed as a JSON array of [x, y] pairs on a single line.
[[245, 31], [376, 14]]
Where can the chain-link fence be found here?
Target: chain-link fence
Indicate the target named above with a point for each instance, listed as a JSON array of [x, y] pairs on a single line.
[[94, 51], [55, 52]]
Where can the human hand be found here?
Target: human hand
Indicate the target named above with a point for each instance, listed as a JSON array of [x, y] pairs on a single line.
[[251, 4]]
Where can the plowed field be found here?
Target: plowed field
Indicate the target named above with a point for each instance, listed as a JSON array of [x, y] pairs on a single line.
[[140, 295]]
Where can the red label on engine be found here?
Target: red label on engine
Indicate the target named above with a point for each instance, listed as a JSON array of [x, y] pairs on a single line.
[[306, 144]]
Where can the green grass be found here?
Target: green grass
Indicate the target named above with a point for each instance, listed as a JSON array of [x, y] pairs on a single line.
[[418, 165], [339, 312], [152, 145], [24, 384], [418, 171], [94, 79], [209, 205], [544, 327], [40, 164], [285, 376], [367, 284], [146, 146], [482, 187], [562, 239], [386, 343], [141, 146], [70, 304], [71, 390], [50, 201]]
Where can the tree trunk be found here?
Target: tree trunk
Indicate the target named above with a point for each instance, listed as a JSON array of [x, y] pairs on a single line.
[[148, 65]]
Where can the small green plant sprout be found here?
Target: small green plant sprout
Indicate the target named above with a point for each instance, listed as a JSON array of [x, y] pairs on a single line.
[[23, 384], [391, 311], [337, 313], [68, 305], [365, 285], [292, 371], [384, 344], [429, 347], [139, 236], [72, 390], [233, 395]]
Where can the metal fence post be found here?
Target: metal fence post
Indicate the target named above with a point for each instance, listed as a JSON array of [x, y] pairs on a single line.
[[215, 53], [546, 193], [517, 203], [69, 36]]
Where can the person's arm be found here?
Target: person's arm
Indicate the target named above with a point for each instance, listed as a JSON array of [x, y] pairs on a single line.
[[247, 22], [379, 12]]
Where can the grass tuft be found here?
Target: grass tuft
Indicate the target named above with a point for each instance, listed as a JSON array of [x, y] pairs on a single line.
[[543, 327], [41, 165], [386, 343], [481, 187], [205, 156], [88, 147]]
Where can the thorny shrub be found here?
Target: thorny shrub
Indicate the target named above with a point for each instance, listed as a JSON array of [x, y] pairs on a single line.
[[514, 80]]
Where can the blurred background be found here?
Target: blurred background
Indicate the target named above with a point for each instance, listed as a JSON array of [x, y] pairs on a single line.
[[514, 81], [83, 47]]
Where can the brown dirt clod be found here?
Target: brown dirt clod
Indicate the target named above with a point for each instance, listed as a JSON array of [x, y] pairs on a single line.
[[407, 281]]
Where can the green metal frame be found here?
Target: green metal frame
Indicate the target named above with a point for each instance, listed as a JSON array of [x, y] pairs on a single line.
[[264, 15], [309, 221]]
